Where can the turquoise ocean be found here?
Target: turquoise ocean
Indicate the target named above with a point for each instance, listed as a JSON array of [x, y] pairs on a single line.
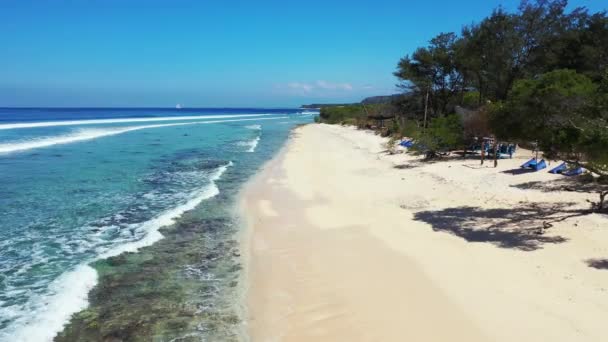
[[119, 224]]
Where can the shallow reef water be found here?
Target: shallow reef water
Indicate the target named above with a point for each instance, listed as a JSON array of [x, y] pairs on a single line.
[[119, 229]]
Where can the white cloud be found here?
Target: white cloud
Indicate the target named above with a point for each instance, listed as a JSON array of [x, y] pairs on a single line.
[[320, 86], [333, 86], [304, 87]]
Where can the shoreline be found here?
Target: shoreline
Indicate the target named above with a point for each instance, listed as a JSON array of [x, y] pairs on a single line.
[[346, 243], [187, 284], [53, 322], [245, 234], [157, 290], [272, 317]]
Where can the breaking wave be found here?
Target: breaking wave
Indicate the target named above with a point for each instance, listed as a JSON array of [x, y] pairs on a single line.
[[44, 315], [126, 120], [94, 133]]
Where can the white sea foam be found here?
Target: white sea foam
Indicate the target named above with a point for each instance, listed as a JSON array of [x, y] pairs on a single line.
[[123, 120], [254, 144], [251, 144], [79, 135], [94, 133], [308, 112], [45, 316], [168, 217]]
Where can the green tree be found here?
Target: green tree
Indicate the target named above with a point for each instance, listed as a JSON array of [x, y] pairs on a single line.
[[565, 112], [488, 54], [443, 134], [505, 47], [582, 46], [432, 70]]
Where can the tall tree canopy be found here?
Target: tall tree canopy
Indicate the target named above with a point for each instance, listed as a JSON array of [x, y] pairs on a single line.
[[543, 67], [433, 70], [565, 112], [491, 55]]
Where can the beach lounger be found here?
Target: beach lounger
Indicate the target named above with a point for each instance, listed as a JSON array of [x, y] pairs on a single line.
[[527, 164], [540, 165], [407, 143], [563, 169], [559, 169], [535, 164], [574, 172]]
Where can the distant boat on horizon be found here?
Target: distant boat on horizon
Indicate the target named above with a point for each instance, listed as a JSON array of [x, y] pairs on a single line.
[[178, 106]]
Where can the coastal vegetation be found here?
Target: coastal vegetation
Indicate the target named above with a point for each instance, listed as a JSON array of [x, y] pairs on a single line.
[[538, 76], [360, 115]]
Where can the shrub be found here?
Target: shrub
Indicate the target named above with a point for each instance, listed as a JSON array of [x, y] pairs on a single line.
[[471, 99], [442, 135]]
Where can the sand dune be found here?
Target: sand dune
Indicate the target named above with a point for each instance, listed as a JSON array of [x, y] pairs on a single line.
[[347, 243]]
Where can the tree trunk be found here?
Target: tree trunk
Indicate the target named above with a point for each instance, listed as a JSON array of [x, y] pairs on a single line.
[[426, 108], [495, 152], [481, 91], [600, 204]]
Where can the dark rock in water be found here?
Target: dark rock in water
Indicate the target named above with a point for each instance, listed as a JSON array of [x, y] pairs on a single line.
[[82, 191], [117, 260], [212, 256], [210, 164]]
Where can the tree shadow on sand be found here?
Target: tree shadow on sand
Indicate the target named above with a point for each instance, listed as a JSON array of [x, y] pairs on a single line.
[[517, 171], [572, 184], [521, 227], [408, 166], [423, 162], [600, 264]]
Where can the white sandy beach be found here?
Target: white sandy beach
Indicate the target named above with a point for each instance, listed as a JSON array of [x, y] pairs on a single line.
[[347, 243]]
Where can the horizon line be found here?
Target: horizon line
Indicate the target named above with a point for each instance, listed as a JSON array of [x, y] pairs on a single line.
[[151, 107]]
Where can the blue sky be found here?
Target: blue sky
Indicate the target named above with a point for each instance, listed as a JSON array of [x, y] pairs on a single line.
[[216, 53]]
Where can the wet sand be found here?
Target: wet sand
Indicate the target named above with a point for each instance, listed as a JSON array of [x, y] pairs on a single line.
[[346, 243]]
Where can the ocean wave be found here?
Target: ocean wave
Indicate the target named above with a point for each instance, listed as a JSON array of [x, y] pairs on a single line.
[[255, 127], [309, 112], [79, 135], [43, 316], [125, 120], [251, 144], [94, 133], [151, 227]]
